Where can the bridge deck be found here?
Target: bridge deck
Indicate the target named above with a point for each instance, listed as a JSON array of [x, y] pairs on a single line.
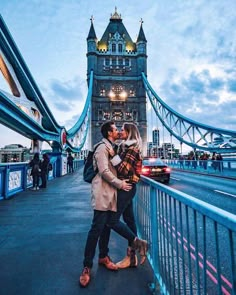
[[42, 238]]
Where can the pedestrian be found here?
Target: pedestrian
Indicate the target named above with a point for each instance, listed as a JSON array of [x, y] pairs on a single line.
[[129, 152], [44, 165], [213, 159], [70, 160], [35, 171], [219, 160], [104, 198]]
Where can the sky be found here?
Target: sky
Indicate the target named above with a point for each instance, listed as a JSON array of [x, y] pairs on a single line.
[[191, 47]]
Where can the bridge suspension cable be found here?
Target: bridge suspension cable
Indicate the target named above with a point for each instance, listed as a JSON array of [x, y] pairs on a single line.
[[77, 135], [192, 133]]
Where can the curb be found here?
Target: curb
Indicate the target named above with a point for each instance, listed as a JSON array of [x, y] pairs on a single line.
[[208, 174]]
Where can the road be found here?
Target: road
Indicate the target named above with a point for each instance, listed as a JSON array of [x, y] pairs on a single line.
[[220, 192]]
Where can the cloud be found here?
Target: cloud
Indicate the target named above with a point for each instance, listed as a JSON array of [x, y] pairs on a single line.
[[67, 90], [63, 106], [201, 97], [232, 85]]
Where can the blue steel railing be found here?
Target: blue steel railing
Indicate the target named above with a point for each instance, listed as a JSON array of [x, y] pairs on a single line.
[[222, 168], [192, 244], [15, 177]]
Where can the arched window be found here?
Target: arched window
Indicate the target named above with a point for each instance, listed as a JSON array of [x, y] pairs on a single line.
[[113, 47], [120, 47]]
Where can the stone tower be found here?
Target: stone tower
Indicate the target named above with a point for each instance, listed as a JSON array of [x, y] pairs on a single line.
[[118, 91]]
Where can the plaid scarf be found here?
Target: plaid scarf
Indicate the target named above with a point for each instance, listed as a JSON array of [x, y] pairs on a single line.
[[131, 165]]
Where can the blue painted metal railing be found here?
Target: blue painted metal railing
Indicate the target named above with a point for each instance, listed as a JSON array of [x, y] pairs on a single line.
[[15, 177], [225, 168], [192, 244]]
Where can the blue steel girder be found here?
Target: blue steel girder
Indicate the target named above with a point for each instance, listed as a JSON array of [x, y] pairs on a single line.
[[76, 136], [9, 50], [16, 108], [17, 120], [195, 134]]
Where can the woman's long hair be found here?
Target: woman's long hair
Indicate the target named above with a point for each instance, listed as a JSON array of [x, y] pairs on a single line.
[[133, 134]]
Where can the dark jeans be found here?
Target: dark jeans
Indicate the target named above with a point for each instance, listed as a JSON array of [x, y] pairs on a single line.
[[70, 168], [104, 221], [129, 219], [127, 230], [44, 177], [35, 180], [97, 230]]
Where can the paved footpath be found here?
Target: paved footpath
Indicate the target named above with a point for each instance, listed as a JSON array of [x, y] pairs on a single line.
[[42, 239]]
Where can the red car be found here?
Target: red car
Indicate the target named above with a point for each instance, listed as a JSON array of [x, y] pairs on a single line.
[[156, 169]]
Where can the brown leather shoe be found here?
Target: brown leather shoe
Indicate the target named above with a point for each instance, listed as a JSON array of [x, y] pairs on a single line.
[[106, 261], [85, 277]]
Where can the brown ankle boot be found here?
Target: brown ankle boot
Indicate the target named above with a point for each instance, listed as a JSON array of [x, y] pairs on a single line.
[[133, 258], [142, 247], [130, 260]]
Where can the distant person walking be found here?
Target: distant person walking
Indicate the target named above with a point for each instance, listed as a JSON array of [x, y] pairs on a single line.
[[44, 164], [70, 160], [219, 160], [35, 171]]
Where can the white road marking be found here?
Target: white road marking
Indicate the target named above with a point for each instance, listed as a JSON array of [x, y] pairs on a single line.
[[224, 193], [175, 178]]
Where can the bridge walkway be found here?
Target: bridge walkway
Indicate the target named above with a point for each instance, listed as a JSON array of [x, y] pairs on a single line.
[[42, 239]]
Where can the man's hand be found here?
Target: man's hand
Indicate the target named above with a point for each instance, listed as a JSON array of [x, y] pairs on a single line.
[[126, 186]]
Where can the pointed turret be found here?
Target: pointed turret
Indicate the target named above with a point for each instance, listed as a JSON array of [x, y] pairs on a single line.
[[141, 35], [91, 47], [141, 46], [141, 40], [92, 34]]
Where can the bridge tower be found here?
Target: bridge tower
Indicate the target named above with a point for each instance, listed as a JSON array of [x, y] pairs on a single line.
[[118, 90]]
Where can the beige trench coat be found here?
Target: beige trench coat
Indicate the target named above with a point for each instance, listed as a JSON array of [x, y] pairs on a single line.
[[105, 183]]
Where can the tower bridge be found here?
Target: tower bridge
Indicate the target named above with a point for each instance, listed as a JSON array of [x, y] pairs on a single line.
[[118, 89]]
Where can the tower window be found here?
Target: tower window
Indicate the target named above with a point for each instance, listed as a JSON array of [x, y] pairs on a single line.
[[120, 61], [113, 48], [113, 61], [107, 61], [120, 48], [126, 62]]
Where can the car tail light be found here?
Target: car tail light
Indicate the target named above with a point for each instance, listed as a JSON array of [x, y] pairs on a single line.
[[167, 169], [145, 170]]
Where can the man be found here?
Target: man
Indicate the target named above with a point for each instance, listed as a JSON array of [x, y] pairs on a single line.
[[104, 199], [70, 160]]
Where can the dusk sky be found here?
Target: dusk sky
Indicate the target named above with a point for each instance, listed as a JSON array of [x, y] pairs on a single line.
[[191, 53]]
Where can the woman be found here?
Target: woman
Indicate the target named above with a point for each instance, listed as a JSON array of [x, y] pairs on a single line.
[[129, 153], [35, 171], [44, 170]]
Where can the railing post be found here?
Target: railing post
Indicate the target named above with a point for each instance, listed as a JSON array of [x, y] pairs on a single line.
[[155, 285]]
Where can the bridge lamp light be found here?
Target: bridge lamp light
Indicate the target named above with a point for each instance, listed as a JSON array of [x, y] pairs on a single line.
[[111, 94], [123, 94]]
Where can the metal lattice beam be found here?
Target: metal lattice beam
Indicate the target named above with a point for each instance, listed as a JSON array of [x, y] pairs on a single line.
[[192, 133]]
